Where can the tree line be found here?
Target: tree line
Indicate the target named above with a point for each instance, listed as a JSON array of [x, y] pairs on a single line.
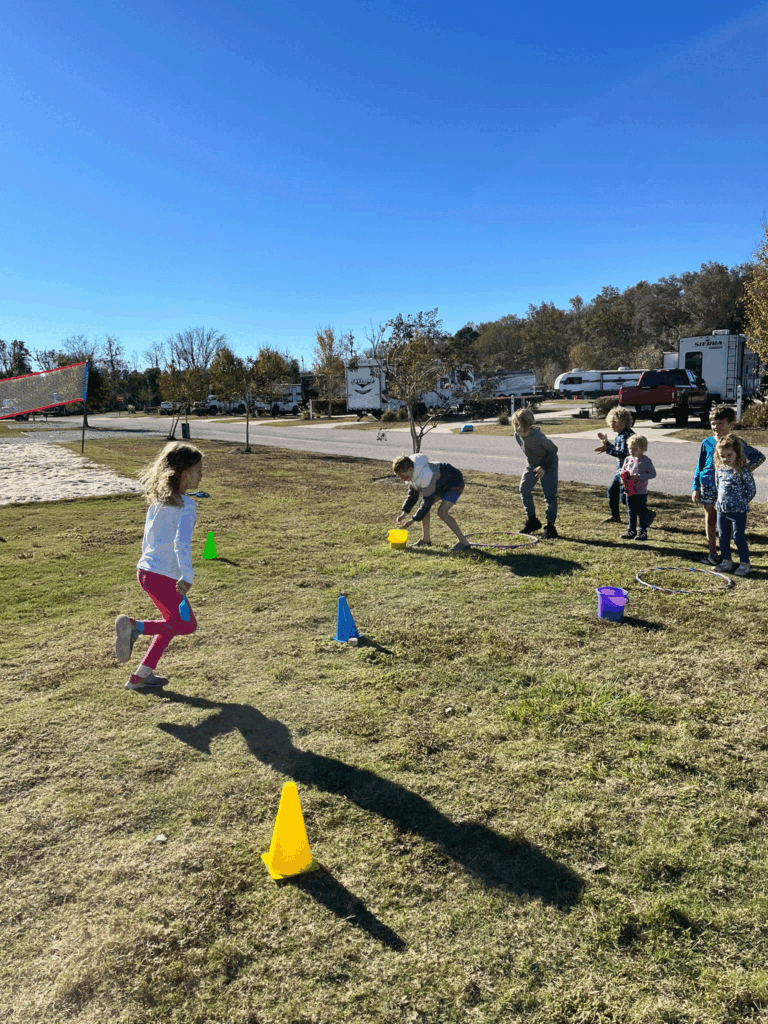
[[632, 327]]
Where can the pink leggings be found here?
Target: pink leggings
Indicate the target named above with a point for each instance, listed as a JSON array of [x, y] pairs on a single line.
[[162, 590]]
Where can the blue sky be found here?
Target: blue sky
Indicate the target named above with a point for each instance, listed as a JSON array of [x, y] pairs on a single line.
[[270, 168]]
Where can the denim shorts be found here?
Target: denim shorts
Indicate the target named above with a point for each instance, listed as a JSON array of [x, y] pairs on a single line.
[[453, 495], [708, 494]]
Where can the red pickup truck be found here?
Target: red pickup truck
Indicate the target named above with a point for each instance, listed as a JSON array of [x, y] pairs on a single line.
[[668, 394]]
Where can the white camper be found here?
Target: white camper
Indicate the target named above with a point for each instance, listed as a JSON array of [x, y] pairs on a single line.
[[591, 383], [722, 360], [452, 389], [367, 387]]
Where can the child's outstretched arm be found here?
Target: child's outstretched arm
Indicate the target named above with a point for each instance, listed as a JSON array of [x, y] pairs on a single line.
[[754, 457]]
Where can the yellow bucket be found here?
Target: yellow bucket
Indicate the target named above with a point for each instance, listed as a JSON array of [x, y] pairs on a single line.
[[397, 538]]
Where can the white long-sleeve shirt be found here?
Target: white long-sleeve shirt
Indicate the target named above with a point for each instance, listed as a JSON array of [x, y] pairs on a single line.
[[167, 545]]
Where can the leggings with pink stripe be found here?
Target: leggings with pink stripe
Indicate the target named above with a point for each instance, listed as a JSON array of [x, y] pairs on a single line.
[[162, 590]]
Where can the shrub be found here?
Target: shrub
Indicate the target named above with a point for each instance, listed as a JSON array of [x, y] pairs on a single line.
[[605, 403], [389, 416], [503, 419], [756, 416], [402, 413]]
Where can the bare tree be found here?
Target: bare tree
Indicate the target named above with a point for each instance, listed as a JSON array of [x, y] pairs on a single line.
[[46, 359], [155, 354], [195, 347], [377, 343], [78, 349]]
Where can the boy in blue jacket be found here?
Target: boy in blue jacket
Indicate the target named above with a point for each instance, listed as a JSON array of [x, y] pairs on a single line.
[[704, 489]]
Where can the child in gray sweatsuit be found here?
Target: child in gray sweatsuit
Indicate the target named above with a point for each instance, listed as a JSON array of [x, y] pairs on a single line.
[[541, 454]]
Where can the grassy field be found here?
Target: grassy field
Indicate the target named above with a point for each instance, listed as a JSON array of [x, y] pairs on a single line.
[[521, 812]]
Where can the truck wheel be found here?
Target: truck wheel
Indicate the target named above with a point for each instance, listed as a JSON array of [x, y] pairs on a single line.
[[295, 410], [275, 411], [681, 416]]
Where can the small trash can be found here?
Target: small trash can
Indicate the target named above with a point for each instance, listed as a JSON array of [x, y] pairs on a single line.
[[611, 602], [185, 431]]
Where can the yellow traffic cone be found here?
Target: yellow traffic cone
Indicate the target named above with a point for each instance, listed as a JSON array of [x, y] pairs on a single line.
[[289, 850]]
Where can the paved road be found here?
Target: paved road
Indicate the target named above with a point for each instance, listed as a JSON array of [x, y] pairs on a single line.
[[674, 459]]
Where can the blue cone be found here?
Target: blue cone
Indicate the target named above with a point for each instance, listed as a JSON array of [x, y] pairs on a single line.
[[345, 624]]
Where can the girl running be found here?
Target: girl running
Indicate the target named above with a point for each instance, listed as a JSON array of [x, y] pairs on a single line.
[[165, 568]]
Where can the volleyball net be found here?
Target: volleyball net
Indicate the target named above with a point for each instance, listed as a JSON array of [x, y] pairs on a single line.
[[49, 389]]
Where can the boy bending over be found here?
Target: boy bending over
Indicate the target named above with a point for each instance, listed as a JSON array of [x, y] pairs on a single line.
[[430, 481]]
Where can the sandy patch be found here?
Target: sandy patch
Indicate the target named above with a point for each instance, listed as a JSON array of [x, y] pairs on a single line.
[[30, 471]]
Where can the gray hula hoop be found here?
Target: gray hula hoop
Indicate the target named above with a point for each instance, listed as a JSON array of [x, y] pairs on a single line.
[[726, 583]]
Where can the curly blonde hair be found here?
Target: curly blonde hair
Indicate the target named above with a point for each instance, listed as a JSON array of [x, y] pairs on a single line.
[[161, 478], [730, 441], [619, 415]]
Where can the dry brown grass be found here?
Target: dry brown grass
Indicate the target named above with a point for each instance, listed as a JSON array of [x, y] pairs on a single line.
[[522, 812]]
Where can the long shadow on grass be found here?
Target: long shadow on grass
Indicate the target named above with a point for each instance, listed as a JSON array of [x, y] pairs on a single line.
[[323, 887], [536, 560], [513, 865]]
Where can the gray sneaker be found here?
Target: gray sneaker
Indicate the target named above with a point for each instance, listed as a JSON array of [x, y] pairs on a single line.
[[743, 569], [150, 682], [124, 639], [726, 566]]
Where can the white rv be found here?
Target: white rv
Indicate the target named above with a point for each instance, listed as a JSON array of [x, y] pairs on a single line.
[[722, 360], [367, 388], [452, 390], [591, 383]]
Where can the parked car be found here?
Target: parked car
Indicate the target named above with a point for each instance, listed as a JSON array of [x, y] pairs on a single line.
[[234, 406]]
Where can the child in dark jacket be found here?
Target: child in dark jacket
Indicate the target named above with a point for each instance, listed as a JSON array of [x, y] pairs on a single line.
[[620, 422], [430, 481]]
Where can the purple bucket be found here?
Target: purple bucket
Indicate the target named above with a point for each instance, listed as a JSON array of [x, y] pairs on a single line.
[[611, 602]]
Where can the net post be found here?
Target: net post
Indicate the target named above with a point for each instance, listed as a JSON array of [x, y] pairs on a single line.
[[85, 399]]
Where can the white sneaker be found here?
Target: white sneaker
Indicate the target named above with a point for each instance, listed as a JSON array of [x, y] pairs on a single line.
[[726, 566], [743, 569]]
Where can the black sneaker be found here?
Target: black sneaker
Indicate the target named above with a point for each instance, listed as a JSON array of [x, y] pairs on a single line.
[[531, 525], [642, 535], [550, 531], [629, 535]]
